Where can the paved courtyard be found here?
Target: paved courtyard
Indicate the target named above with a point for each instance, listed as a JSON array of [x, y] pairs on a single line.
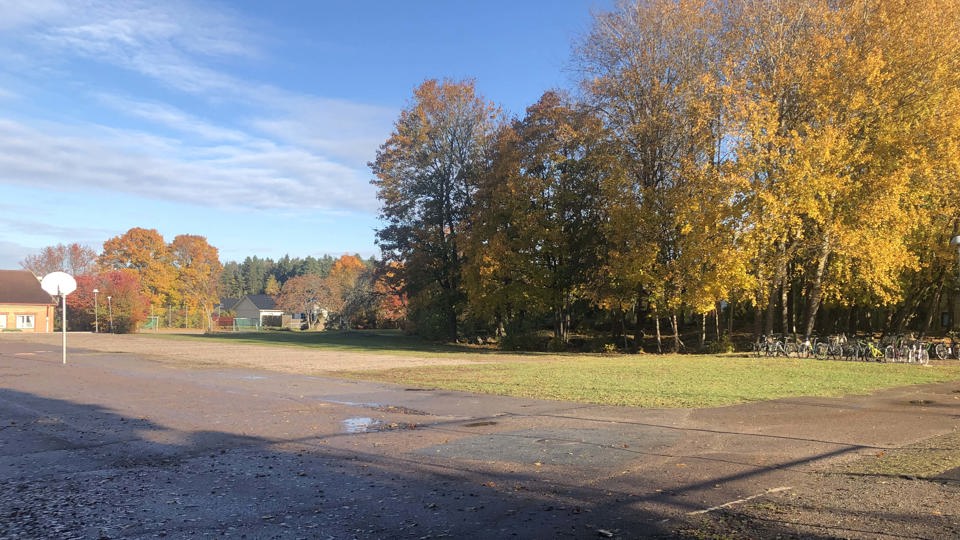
[[121, 444]]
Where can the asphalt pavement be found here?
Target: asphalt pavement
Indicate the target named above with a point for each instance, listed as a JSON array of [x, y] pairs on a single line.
[[116, 445]]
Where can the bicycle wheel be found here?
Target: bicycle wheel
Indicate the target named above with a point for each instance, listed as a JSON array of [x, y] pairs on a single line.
[[791, 349], [890, 353], [821, 351], [923, 357], [941, 351]]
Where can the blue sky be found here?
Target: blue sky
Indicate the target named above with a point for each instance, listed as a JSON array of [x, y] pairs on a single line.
[[248, 122]]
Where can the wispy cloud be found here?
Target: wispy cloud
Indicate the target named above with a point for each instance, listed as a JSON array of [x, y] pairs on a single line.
[[262, 175], [278, 149]]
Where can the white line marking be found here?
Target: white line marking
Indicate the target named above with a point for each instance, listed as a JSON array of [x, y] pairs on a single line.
[[739, 501]]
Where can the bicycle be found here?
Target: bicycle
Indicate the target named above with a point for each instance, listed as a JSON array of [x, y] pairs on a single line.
[[805, 347], [866, 350], [768, 346], [944, 351], [832, 348]]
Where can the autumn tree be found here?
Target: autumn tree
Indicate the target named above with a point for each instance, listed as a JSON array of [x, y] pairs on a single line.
[[348, 288], [426, 177], [304, 294], [272, 286], [198, 268], [145, 252], [119, 295], [651, 70], [391, 309], [837, 106], [74, 259], [536, 237]]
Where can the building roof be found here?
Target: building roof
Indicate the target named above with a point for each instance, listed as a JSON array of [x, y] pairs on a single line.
[[262, 301], [229, 303], [22, 287]]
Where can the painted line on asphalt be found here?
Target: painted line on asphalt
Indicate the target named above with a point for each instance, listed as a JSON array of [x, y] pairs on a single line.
[[740, 501]]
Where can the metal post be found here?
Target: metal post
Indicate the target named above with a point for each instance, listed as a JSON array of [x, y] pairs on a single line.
[[110, 306], [63, 326], [96, 312]]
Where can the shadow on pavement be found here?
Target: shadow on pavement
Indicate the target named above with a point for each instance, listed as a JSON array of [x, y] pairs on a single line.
[[74, 470]]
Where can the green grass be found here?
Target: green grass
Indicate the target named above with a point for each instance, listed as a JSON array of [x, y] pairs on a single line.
[[928, 458], [640, 381], [688, 381]]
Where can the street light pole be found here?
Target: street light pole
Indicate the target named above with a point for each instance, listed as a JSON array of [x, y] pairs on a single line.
[[96, 312], [110, 307]]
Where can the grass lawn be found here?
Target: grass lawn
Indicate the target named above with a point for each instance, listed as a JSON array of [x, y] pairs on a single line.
[[655, 381], [665, 381]]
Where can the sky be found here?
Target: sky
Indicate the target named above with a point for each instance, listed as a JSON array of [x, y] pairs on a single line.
[[248, 122]]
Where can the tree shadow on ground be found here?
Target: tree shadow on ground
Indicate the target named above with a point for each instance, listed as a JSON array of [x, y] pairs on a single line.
[[78, 470]]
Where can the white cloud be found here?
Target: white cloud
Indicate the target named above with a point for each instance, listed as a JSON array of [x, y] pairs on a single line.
[[20, 14], [258, 175], [220, 139]]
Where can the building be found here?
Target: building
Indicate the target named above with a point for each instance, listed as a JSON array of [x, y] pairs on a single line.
[[24, 305], [257, 307]]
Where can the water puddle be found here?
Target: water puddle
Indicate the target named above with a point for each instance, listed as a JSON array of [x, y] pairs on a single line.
[[381, 408], [921, 402], [369, 425], [480, 424], [359, 425]]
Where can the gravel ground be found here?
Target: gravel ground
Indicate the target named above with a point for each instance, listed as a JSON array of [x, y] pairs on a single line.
[[196, 353]]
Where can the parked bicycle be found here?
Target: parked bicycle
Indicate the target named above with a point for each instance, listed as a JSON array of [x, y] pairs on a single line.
[[911, 351], [769, 346], [832, 348], [947, 350]]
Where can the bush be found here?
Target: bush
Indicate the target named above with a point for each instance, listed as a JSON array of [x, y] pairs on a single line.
[[725, 345]]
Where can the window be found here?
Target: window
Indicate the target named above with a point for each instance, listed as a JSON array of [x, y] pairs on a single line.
[[3, 321], [24, 321]]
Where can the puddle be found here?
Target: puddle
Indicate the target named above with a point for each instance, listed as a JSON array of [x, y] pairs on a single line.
[[369, 425], [359, 425], [381, 408], [480, 424], [921, 402]]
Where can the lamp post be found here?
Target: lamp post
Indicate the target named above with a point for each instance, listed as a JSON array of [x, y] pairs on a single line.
[[110, 307], [96, 312]]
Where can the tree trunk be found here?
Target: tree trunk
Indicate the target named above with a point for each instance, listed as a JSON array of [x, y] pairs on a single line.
[[785, 304], [677, 344], [932, 308], [816, 288], [656, 318], [703, 330], [769, 315], [717, 311]]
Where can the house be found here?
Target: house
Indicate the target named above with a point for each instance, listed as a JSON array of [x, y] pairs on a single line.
[[24, 305], [257, 307]]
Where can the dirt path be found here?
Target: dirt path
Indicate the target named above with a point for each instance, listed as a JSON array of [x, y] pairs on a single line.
[[271, 357]]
